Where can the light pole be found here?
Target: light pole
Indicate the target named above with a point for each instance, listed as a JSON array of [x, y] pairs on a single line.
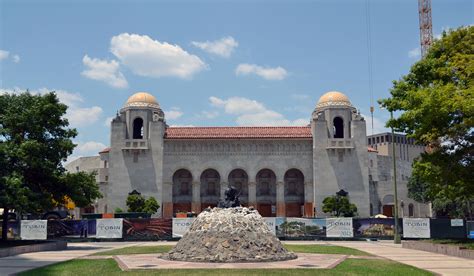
[[396, 235]]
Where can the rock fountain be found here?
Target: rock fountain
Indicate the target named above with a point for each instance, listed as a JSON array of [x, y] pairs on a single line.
[[229, 233]]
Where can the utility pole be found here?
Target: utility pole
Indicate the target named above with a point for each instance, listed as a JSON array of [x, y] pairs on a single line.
[[426, 26]]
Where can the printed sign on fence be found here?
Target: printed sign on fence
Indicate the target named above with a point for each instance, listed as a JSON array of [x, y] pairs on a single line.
[[271, 224], [109, 228], [416, 228], [457, 222], [339, 228], [34, 229], [181, 226]]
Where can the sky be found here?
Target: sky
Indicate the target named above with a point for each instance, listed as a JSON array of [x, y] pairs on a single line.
[[212, 63]]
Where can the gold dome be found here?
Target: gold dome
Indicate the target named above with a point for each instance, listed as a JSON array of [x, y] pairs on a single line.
[[333, 98], [142, 99]]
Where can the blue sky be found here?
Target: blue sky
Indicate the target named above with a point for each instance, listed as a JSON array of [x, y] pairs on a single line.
[[210, 63]]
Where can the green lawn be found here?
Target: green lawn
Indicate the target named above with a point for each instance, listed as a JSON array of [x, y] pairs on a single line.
[[324, 249], [109, 267], [136, 250], [298, 248]]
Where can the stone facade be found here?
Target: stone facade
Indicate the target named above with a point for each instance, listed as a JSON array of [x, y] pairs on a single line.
[[281, 171]]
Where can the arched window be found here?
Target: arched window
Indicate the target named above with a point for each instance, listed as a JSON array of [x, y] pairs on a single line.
[[338, 127], [138, 128], [411, 212]]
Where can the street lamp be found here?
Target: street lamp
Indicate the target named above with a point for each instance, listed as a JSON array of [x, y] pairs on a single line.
[[396, 234]]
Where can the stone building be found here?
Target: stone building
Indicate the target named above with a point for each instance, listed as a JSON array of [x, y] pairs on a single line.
[[282, 171]]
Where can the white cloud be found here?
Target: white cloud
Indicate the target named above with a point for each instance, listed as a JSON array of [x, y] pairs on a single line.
[[379, 125], [268, 73], [103, 70], [222, 47], [4, 54], [76, 114], [16, 58], [209, 114], [252, 113], [414, 53], [152, 58], [83, 116], [238, 105], [173, 114], [89, 148], [108, 121]]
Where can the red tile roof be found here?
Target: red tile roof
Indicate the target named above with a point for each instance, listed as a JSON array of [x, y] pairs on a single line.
[[293, 132], [105, 150], [371, 149]]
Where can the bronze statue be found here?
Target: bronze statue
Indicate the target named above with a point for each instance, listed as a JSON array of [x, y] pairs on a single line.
[[231, 198]]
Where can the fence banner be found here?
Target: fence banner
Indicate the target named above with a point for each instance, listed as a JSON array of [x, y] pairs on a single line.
[[339, 228], [181, 226], [34, 229], [109, 228], [416, 228], [271, 224]]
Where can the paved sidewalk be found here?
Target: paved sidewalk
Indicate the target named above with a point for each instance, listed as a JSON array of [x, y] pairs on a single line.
[[18, 263], [437, 263]]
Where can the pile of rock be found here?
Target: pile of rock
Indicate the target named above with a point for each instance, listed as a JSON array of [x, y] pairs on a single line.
[[229, 235]]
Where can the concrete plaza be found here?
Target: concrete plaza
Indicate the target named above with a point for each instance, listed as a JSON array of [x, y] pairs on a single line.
[[436, 263]]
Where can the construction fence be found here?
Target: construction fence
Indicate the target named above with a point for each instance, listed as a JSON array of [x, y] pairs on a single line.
[[283, 227]]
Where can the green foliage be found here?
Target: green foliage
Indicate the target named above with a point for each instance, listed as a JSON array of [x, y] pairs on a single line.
[[437, 109], [137, 203], [339, 206], [151, 206], [118, 210], [34, 142]]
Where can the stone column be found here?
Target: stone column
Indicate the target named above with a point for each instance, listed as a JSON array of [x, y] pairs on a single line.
[[280, 199], [223, 186], [196, 203], [252, 194], [308, 199]]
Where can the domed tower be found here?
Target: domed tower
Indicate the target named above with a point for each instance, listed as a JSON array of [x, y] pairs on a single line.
[[339, 151], [136, 155]]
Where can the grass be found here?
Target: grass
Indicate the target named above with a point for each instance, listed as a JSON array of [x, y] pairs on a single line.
[[298, 248], [324, 249], [469, 244], [109, 267], [136, 250]]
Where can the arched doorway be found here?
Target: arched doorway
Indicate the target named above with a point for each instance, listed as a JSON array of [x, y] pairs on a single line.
[[294, 193], [182, 191], [338, 127], [138, 128], [239, 179], [266, 193], [210, 188], [387, 207]]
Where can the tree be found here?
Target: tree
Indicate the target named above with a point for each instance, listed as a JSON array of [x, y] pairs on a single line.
[[34, 142], [339, 205], [136, 202], [437, 109]]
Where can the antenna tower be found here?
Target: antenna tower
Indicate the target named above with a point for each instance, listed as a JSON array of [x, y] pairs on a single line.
[[426, 26]]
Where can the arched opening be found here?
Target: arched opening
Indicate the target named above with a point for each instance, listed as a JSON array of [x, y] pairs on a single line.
[[182, 191], [266, 193], [138, 128], [338, 127], [294, 193], [239, 179], [210, 188], [411, 212], [387, 207]]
